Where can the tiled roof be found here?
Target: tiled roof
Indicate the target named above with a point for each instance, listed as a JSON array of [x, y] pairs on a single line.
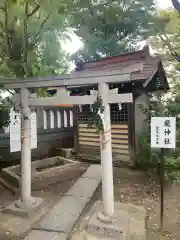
[[150, 64]]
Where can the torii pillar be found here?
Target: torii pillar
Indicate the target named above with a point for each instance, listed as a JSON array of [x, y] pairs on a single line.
[[26, 204], [26, 201], [106, 156]]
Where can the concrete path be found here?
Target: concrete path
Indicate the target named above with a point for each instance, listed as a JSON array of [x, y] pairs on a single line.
[[58, 223]]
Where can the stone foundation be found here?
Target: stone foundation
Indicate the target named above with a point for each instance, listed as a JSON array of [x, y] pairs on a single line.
[[50, 169], [128, 222]]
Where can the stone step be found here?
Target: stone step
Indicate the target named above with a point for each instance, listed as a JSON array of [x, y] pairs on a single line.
[[62, 217]]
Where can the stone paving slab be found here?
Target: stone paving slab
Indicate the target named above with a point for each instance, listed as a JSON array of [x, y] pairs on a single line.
[[94, 171], [65, 213], [84, 187], [43, 235], [63, 216], [69, 205]]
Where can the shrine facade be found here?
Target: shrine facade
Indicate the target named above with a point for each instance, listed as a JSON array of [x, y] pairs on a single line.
[[127, 119]]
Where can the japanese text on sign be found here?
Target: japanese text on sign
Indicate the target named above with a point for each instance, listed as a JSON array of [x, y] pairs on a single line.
[[163, 132]]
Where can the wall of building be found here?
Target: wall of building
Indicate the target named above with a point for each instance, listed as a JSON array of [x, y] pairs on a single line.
[[54, 130], [141, 126]]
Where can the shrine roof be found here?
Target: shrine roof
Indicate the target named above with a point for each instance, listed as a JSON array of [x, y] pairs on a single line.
[[150, 65]]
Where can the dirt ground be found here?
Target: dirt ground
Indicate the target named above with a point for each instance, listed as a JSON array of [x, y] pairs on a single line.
[[137, 188], [130, 186], [16, 228]]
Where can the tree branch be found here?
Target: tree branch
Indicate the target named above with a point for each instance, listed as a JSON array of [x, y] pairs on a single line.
[[37, 37], [6, 25], [171, 49], [33, 11]]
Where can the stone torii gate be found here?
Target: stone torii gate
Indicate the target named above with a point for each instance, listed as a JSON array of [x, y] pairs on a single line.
[[25, 100]]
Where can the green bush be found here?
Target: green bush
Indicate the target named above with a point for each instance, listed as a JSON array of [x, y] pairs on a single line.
[[145, 158], [148, 160], [172, 168]]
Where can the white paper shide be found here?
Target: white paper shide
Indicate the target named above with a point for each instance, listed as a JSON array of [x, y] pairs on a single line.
[[15, 131]]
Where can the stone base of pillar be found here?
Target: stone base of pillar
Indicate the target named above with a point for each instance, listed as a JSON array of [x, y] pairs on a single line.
[[102, 217], [128, 222], [21, 209]]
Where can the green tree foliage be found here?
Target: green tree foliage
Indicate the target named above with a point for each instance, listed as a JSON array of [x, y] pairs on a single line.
[[30, 34], [110, 27], [26, 27], [165, 42]]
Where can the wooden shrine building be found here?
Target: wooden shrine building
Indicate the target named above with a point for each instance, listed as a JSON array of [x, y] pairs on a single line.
[[127, 119]]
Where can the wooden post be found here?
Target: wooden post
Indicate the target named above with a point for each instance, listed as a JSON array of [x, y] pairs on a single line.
[[131, 132], [75, 129], [162, 189]]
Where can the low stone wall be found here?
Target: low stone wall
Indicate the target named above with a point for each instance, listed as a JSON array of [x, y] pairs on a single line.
[[48, 140], [44, 172]]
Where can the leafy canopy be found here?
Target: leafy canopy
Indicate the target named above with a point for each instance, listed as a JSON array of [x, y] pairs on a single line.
[[27, 30], [166, 43], [30, 34], [110, 27]]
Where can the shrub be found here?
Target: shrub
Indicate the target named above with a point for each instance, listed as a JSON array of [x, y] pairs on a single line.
[[148, 159]]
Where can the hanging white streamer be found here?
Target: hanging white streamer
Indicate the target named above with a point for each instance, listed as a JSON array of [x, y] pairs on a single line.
[[80, 108], [91, 108], [120, 106]]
